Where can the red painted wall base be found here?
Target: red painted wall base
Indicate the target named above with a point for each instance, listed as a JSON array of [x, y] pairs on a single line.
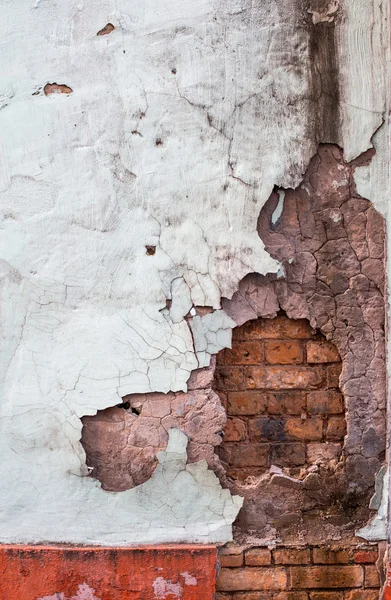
[[180, 572]]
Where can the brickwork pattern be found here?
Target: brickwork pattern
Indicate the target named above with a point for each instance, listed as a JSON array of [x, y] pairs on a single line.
[[279, 385], [310, 573]]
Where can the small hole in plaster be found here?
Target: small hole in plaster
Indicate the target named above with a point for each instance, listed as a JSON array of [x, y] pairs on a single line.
[[106, 29], [56, 88], [158, 142], [151, 250], [124, 405], [173, 71]]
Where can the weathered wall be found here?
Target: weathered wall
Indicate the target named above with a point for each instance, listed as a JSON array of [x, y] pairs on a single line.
[[132, 196], [332, 572]]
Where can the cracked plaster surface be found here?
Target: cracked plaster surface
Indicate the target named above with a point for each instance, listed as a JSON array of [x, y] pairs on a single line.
[[331, 243], [178, 125]]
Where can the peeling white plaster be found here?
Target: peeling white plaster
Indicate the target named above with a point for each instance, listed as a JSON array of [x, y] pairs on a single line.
[[373, 180], [376, 529], [180, 123], [179, 502], [181, 300], [279, 208], [211, 333]]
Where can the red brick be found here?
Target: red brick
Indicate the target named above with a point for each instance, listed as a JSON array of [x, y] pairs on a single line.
[[362, 595], [278, 328], [371, 576], [325, 402], [284, 377], [246, 455], [223, 399], [231, 560], [257, 557], [290, 596], [333, 373], [231, 548], [290, 556], [267, 596], [325, 596], [229, 378], [235, 430], [283, 353], [325, 556], [304, 429], [322, 352], [251, 596], [336, 428], [266, 428], [323, 452], [247, 403], [290, 454], [335, 576], [252, 578], [249, 352], [286, 403], [365, 556]]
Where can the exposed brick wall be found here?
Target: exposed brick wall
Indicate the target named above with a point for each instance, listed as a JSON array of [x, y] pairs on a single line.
[[310, 573], [286, 422], [279, 384]]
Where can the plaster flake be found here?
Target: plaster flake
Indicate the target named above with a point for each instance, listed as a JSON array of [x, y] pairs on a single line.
[[148, 146], [376, 529], [84, 593], [164, 588], [211, 333]]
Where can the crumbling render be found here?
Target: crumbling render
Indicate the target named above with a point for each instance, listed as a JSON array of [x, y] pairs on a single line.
[[122, 442], [330, 243]]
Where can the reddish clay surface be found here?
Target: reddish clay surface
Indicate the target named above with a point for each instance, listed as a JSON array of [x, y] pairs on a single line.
[[94, 573], [122, 442]]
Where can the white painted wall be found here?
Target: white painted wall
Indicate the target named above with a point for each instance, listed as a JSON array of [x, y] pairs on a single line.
[[82, 305]]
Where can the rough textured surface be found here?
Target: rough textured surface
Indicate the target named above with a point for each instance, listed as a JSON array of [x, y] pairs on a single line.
[[179, 501], [145, 573], [122, 443], [330, 572], [331, 244], [142, 184], [280, 387]]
